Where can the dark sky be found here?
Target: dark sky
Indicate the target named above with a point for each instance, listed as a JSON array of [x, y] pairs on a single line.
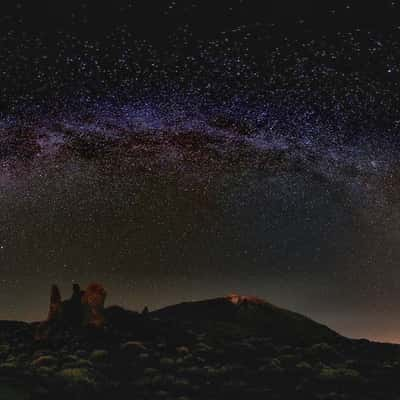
[[178, 150]]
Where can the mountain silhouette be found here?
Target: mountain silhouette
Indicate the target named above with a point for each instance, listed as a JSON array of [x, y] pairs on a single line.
[[235, 347], [237, 315]]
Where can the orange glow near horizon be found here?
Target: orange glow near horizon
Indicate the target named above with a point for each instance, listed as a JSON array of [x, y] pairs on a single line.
[[238, 299]]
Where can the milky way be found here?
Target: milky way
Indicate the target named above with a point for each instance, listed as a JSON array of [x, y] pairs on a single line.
[[258, 157]]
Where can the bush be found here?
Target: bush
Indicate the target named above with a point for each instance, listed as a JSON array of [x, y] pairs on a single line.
[[99, 356], [340, 375], [322, 352], [77, 375]]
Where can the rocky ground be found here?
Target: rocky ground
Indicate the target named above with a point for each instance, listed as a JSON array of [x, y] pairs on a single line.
[[149, 356]]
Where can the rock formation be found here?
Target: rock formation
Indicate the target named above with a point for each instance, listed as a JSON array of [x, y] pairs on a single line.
[[145, 311], [55, 303], [93, 301], [82, 309]]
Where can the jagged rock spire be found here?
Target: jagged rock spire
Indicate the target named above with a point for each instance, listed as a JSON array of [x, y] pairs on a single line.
[[55, 303], [145, 311], [76, 292]]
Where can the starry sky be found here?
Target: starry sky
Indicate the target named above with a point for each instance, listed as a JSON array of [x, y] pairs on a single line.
[[189, 149]]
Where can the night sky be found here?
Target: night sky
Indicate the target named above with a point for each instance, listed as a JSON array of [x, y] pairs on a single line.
[[179, 150]]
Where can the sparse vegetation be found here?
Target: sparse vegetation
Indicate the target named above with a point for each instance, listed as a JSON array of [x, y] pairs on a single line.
[[181, 356]]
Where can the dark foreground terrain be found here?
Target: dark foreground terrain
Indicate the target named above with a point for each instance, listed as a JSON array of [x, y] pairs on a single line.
[[226, 348]]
